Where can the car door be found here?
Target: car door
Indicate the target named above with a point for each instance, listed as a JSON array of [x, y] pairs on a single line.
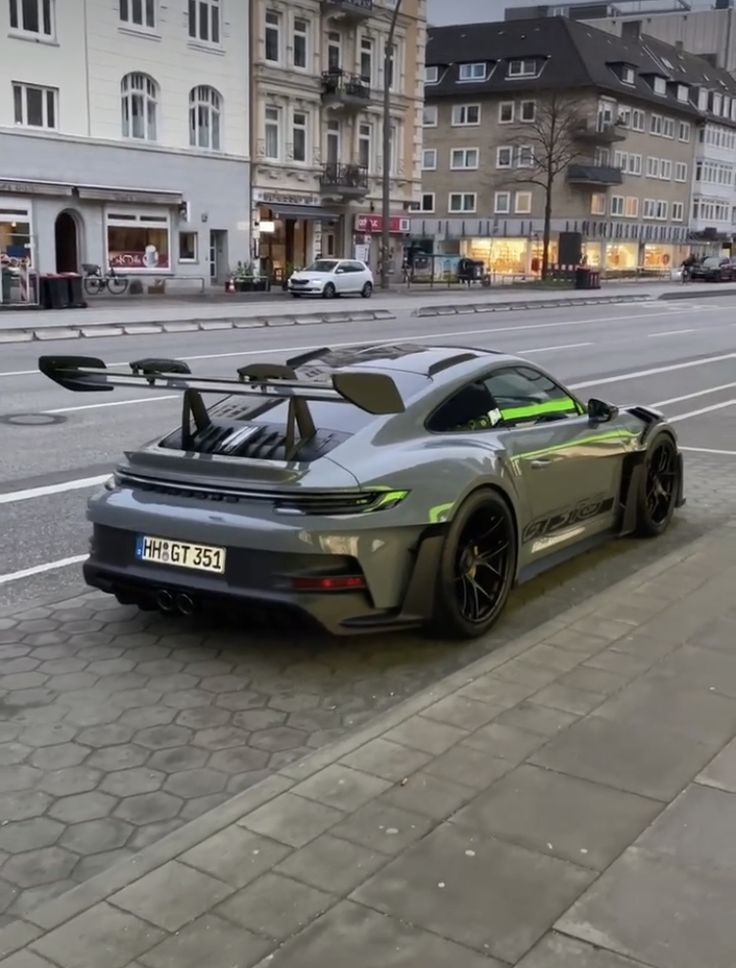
[[353, 277], [341, 277], [570, 467]]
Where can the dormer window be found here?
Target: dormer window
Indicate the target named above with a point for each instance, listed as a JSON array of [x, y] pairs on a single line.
[[524, 67], [431, 74], [627, 74], [472, 72], [659, 85], [683, 93], [702, 100], [717, 103]]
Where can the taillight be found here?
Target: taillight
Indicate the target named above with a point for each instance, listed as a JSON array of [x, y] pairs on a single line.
[[337, 583]]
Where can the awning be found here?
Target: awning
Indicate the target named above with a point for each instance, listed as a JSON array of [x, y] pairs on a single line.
[[314, 212], [16, 187], [135, 196]]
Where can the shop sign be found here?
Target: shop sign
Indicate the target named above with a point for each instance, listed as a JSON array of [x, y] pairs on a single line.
[[284, 198], [373, 224]]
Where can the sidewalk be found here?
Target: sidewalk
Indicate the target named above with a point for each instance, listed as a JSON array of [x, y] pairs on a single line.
[[568, 801]]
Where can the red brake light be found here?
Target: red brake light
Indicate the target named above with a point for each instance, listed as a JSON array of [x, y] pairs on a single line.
[[335, 584]]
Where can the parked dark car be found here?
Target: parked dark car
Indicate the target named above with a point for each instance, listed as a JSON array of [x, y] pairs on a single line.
[[714, 268]]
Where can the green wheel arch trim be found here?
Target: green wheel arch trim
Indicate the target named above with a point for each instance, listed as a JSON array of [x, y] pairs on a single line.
[[440, 513]]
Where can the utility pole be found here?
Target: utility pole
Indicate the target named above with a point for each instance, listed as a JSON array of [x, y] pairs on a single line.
[[389, 68]]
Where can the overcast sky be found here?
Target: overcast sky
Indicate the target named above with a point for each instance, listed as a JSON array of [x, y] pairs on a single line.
[[441, 12]]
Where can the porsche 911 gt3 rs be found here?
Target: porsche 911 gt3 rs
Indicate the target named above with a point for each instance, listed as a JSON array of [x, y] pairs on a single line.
[[369, 488]]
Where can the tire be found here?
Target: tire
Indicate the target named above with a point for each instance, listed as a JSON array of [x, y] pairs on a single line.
[[329, 291], [116, 286], [658, 488], [296, 295], [367, 290], [477, 568], [93, 285]]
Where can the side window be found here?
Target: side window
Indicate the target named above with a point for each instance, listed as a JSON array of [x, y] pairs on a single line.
[[471, 408], [524, 395]]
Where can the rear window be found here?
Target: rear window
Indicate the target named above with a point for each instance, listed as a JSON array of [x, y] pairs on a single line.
[[712, 260]]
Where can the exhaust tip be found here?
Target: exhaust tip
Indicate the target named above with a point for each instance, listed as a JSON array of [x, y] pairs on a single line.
[[165, 601], [185, 604]]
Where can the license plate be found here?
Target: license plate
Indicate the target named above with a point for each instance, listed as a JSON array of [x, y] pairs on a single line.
[[181, 554]]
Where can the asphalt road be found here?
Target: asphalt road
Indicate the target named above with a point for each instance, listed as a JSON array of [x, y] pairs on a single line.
[[680, 356]]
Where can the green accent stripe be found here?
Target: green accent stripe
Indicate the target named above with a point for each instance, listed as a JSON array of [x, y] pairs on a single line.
[[566, 405]]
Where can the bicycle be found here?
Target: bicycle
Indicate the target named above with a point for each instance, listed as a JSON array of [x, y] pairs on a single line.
[[95, 282]]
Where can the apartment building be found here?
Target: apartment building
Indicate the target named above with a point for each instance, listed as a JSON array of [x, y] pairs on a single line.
[[640, 105], [124, 135], [317, 90]]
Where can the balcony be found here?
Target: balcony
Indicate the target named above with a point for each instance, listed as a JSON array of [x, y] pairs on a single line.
[[344, 91], [354, 10], [346, 181], [600, 132], [595, 175]]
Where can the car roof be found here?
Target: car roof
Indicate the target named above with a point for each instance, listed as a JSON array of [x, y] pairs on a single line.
[[428, 361]]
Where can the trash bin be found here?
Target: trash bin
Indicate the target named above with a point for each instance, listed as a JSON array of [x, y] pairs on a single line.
[[595, 279], [6, 280], [54, 292], [582, 277], [74, 290]]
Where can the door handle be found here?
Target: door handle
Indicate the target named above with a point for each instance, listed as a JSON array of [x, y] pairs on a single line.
[[540, 462]]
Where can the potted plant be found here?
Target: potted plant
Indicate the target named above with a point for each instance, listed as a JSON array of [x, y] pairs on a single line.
[[288, 272]]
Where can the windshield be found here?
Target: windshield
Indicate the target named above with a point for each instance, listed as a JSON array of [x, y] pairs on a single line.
[[712, 260], [322, 265]]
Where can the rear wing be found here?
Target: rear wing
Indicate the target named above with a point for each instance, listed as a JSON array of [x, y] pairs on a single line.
[[375, 393]]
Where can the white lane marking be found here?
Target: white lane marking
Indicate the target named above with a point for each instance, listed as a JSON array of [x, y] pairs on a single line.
[[698, 393], [709, 450], [670, 332], [697, 413], [552, 349], [637, 374], [410, 336], [40, 569], [113, 403], [33, 492]]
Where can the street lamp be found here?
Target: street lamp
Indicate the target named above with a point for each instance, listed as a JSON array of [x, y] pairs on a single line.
[[389, 66]]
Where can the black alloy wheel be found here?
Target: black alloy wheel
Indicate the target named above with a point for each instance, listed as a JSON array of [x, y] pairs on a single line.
[[660, 483]]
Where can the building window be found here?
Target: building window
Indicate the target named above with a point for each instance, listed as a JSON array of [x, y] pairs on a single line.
[[429, 116], [506, 112], [187, 247], [273, 36], [462, 159], [528, 111], [668, 128], [631, 207], [502, 203], [392, 72], [334, 51], [627, 75], [652, 167], [139, 97], [204, 21], [333, 142], [597, 203], [637, 119], [522, 68], [660, 85], [678, 211], [665, 169], [32, 17], [465, 115], [299, 43], [523, 203], [15, 235], [633, 166], [702, 100], [649, 208], [462, 202], [273, 133], [617, 204], [35, 107], [366, 60], [504, 156], [431, 74], [138, 13], [429, 159], [138, 241], [525, 157], [683, 93], [299, 136], [472, 72], [683, 132], [365, 145], [205, 107], [426, 204]]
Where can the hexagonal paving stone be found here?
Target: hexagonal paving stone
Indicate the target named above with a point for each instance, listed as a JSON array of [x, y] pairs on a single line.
[[176, 683], [196, 783], [149, 808], [154, 831], [254, 719], [14, 778], [111, 667], [242, 759], [203, 717], [220, 738], [97, 863], [118, 757], [51, 734], [8, 894], [187, 699], [279, 738], [23, 663], [163, 737], [12, 753], [141, 717], [15, 838], [74, 680], [56, 757], [159, 667], [82, 806], [92, 715], [295, 702], [61, 666], [127, 783], [131, 698], [39, 867], [22, 680], [241, 700], [109, 735], [95, 836], [224, 683], [30, 898], [74, 779], [180, 758], [23, 805]]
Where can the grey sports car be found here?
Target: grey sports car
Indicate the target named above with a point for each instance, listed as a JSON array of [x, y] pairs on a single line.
[[369, 488]]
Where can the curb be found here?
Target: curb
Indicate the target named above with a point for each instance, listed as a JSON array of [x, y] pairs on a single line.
[[48, 333], [701, 294], [50, 914], [490, 307]]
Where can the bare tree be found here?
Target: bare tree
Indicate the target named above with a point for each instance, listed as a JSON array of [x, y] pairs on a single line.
[[551, 142]]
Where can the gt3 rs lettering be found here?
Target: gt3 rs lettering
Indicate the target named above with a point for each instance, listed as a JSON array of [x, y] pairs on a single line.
[[567, 518]]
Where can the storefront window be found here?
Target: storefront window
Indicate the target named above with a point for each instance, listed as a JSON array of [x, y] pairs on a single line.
[[592, 254], [15, 236], [501, 256], [659, 256], [622, 255], [138, 241]]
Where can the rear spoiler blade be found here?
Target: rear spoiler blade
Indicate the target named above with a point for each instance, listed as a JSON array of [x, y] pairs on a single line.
[[374, 393]]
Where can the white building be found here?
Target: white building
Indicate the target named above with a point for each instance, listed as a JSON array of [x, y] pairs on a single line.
[[124, 135]]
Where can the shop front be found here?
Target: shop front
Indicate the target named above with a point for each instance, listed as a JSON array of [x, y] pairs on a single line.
[[16, 251], [292, 230], [509, 256], [368, 236]]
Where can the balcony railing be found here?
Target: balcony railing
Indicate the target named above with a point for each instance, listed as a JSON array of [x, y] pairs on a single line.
[[341, 90], [592, 174], [600, 132], [348, 181], [350, 9]]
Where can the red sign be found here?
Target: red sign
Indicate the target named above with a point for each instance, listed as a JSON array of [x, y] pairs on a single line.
[[138, 260], [373, 224]]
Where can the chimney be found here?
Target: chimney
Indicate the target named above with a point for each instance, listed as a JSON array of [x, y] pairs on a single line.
[[631, 29]]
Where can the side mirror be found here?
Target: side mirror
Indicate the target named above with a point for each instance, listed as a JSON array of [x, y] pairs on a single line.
[[339, 269], [601, 412]]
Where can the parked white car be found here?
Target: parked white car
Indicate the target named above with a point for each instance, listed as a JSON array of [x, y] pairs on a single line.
[[332, 277]]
